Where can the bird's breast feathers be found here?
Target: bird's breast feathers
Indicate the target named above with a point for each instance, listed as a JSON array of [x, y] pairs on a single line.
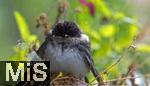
[[65, 56]]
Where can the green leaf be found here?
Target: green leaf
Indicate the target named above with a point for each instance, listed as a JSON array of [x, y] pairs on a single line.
[[143, 48], [102, 7], [23, 28], [107, 31]]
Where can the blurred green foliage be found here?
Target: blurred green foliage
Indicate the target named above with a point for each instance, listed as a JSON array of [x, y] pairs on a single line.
[[111, 31]]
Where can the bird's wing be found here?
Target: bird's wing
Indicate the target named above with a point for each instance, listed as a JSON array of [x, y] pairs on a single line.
[[41, 51], [85, 52]]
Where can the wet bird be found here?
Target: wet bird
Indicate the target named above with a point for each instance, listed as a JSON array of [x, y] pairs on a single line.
[[68, 51]]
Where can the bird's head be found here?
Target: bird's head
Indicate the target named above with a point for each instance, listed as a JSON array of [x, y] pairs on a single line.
[[66, 29]]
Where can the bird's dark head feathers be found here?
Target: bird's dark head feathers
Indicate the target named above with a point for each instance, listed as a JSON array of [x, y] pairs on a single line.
[[66, 29]]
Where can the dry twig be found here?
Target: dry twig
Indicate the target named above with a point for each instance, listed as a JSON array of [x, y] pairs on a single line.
[[62, 6], [42, 21], [125, 78]]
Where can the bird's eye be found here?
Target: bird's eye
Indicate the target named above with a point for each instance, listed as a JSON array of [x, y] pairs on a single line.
[[66, 35]]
